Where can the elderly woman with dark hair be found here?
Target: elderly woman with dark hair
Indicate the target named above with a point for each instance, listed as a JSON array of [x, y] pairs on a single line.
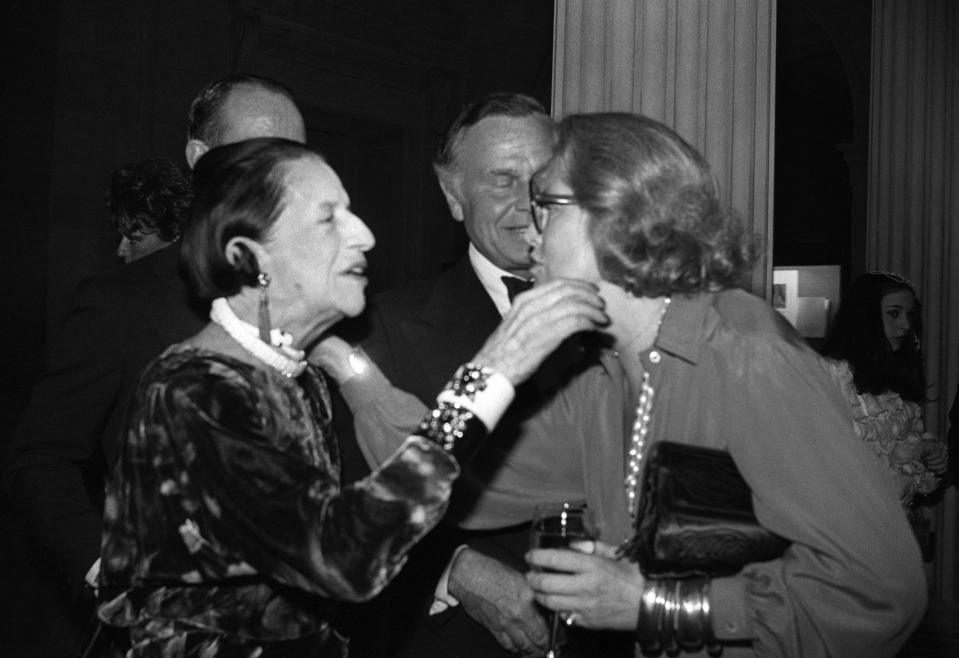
[[627, 205], [149, 202], [226, 530]]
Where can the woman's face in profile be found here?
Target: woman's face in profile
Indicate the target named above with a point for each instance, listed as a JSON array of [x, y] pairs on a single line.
[[896, 308], [563, 250], [317, 246]]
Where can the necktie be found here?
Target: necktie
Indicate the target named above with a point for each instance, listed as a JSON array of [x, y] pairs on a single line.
[[515, 285]]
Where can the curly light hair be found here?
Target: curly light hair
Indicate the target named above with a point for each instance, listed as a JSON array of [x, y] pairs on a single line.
[[656, 223]]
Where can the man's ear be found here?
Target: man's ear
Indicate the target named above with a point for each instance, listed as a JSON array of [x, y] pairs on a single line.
[[451, 190], [194, 149]]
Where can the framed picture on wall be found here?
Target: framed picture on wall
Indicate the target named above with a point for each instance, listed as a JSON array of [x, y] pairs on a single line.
[[807, 296]]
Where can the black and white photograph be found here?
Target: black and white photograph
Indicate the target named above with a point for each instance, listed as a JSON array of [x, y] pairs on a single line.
[[480, 329]]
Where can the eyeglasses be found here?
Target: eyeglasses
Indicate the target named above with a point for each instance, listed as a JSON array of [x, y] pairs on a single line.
[[539, 205]]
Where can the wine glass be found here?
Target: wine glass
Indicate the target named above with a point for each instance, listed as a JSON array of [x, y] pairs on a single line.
[[557, 525]]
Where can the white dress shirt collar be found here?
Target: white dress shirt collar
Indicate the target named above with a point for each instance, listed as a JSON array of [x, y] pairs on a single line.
[[491, 277]]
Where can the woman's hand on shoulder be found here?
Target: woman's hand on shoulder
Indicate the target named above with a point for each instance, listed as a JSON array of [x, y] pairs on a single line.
[[537, 322], [599, 589], [338, 359]]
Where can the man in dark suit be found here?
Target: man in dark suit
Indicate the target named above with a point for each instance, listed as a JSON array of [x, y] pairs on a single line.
[[67, 438], [480, 605]]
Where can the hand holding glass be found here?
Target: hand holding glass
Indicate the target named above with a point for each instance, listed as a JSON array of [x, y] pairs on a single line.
[[557, 525]]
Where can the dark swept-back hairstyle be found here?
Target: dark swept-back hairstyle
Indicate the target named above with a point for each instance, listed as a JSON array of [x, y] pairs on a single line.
[[496, 104], [150, 196], [240, 192], [655, 219], [858, 336], [204, 120]]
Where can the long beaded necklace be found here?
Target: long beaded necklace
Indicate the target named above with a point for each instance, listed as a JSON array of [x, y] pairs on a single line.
[[290, 364], [637, 444]]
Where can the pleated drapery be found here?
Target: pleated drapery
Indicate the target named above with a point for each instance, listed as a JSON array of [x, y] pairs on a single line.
[[913, 202], [706, 69]]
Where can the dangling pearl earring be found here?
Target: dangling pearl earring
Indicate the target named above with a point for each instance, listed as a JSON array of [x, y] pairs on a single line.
[[263, 314]]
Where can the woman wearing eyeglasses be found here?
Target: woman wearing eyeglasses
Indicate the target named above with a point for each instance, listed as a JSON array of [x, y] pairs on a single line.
[[626, 205], [629, 206]]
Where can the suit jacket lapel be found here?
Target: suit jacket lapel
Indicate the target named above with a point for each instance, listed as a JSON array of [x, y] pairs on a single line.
[[456, 319]]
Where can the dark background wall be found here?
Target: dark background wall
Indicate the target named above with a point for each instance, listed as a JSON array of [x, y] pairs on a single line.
[[822, 117]]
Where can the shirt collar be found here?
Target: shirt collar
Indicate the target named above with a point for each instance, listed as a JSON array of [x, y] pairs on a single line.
[[489, 276], [682, 330], [681, 333]]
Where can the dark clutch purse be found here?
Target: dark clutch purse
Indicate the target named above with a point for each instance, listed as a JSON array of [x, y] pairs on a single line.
[[696, 516]]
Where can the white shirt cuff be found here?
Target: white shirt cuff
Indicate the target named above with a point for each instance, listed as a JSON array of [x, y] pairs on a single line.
[[93, 575], [442, 599], [488, 404]]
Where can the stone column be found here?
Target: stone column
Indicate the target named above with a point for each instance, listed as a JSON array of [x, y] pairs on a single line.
[[706, 69]]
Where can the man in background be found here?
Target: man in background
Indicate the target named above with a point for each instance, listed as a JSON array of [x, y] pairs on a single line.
[[149, 202], [422, 332]]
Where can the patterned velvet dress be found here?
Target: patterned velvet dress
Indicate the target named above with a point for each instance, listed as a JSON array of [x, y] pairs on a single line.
[[226, 530]]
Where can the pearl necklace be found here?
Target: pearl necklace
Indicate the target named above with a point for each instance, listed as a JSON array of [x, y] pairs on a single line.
[[637, 446], [290, 364]]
